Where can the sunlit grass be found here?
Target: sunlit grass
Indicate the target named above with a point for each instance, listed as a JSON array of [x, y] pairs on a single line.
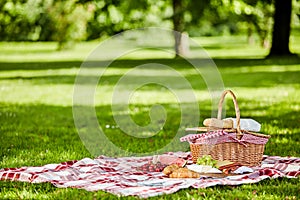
[[40, 51], [236, 47]]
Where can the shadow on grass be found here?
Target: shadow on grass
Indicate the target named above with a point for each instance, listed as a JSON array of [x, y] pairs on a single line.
[[233, 78], [128, 63]]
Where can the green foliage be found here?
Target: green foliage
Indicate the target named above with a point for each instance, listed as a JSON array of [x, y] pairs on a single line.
[[114, 17], [17, 20], [69, 21], [44, 20], [231, 17]]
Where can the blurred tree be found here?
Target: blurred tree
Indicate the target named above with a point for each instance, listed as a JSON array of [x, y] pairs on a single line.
[[17, 20], [211, 17], [181, 41], [69, 20], [114, 16], [281, 28], [44, 20], [258, 15]]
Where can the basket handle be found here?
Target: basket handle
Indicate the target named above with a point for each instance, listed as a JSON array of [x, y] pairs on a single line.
[[236, 107]]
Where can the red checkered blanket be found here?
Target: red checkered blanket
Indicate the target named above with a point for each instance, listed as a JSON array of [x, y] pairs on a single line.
[[122, 177]]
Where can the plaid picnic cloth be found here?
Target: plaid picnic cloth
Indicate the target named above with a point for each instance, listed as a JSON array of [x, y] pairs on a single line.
[[121, 176]]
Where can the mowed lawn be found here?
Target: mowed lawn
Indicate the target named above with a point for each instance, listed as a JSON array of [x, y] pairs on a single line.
[[37, 122]]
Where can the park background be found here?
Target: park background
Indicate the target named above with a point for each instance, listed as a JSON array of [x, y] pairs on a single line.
[[44, 42]]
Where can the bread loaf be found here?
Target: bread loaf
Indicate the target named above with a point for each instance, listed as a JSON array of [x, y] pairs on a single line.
[[218, 123], [184, 173]]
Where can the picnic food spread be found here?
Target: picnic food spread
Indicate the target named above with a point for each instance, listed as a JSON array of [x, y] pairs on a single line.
[[226, 139], [222, 146], [206, 166], [119, 176], [176, 167]]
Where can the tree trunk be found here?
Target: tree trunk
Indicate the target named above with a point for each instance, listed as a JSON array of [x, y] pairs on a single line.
[[281, 28], [181, 39]]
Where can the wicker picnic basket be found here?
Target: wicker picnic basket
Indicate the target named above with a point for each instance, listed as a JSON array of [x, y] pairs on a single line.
[[234, 144]]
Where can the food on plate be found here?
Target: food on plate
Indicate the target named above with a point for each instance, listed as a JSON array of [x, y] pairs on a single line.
[[203, 169], [174, 171], [207, 160], [221, 163], [152, 167], [184, 173], [230, 169], [180, 162], [218, 123], [159, 163], [169, 160], [228, 166]]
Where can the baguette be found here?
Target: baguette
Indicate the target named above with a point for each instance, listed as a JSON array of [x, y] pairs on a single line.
[[218, 123]]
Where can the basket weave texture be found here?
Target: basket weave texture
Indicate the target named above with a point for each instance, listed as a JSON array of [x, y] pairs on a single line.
[[236, 145]]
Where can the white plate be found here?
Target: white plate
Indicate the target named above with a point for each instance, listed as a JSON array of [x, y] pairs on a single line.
[[203, 169]]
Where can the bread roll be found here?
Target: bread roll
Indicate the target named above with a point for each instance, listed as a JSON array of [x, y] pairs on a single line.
[[170, 169]]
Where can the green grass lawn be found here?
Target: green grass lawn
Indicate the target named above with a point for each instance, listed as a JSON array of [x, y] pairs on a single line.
[[37, 125]]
